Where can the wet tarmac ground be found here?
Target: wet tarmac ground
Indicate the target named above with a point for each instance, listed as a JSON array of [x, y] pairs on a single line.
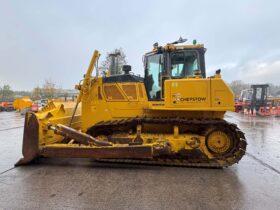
[[254, 183]]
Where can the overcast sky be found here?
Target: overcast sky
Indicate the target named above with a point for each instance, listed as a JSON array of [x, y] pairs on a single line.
[[55, 39]]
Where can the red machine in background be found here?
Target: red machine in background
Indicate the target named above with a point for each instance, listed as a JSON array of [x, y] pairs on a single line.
[[244, 100], [6, 106], [275, 106], [254, 101]]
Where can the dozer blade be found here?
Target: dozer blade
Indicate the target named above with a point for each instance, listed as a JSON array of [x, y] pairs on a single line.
[[87, 147], [124, 152], [30, 146]]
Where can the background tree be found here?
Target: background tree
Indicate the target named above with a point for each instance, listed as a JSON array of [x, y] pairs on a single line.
[[6, 93], [273, 90], [59, 92], [120, 60], [37, 93], [237, 86], [20, 93], [48, 90]]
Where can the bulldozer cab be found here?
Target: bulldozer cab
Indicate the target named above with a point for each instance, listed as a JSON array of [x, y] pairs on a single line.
[[171, 62]]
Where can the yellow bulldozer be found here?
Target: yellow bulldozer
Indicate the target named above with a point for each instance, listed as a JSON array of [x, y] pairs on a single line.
[[172, 116]]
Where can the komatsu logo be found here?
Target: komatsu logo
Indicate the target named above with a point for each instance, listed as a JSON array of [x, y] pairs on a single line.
[[193, 99]]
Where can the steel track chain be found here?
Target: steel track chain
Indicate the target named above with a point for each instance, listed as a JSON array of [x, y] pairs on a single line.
[[233, 157]]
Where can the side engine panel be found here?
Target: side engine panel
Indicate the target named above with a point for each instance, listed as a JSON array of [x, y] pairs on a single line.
[[210, 94], [114, 100]]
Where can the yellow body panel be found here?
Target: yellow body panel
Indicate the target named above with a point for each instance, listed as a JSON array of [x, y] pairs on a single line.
[[188, 94], [103, 106], [197, 94], [190, 97]]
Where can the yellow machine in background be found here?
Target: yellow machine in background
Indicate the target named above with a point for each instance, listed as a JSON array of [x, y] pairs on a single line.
[[172, 116], [22, 103]]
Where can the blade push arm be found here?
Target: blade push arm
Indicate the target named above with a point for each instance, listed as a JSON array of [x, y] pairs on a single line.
[[86, 82]]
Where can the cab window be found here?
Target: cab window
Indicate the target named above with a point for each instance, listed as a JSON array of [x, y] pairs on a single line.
[[183, 64], [154, 67]]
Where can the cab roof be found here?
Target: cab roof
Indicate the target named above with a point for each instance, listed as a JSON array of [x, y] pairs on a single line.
[[173, 47]]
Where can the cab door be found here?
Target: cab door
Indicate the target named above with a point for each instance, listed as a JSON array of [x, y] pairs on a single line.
[[154, 77]]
